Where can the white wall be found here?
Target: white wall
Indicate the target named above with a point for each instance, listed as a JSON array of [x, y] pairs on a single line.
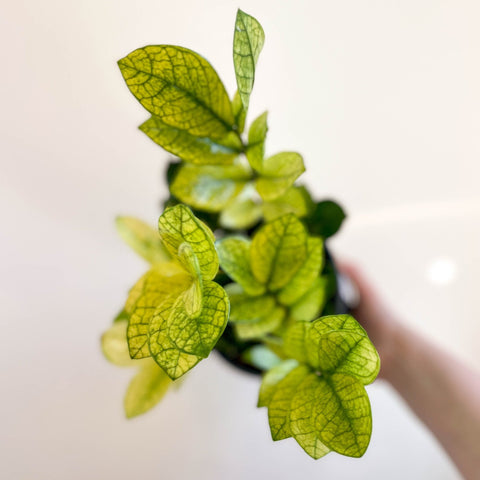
[[382, 99]]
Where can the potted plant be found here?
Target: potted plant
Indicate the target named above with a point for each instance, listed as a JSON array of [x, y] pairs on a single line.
[[238, 263]]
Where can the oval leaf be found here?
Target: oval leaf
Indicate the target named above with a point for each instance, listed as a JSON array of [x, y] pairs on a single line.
[[142, 238], [190, 148], [180, 87], [146, 389], [278, 250], [177, 225], [247, 44], [234, 255]]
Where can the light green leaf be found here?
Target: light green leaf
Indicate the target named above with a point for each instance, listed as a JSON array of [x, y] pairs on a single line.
[[173, 361], [294, 341], [334, 411], [261, 357], [256, 142], [146, 389], [337, 343], [247, 44], [209, 187], [148, 293], [310, 305], [302, 281], [177, 341], [278, 250], [234, 255], [190, 148], [278, 174], [114, 345], [181, 88], [295, 200], [271, 379], [304, 407], [177, 225], [142, 238], [279, 405], [246, 309], [258, 328], [240, 214], [239, 112]]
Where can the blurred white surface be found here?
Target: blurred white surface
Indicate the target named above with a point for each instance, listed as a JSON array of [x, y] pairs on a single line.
[[382, 99]]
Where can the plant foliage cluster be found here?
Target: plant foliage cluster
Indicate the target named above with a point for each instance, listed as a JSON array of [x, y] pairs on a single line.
[[261, 290]]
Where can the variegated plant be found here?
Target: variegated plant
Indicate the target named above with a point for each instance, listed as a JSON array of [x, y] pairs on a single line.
[[261, 290]]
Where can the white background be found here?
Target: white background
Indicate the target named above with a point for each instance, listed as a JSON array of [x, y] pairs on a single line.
[[382, 99]]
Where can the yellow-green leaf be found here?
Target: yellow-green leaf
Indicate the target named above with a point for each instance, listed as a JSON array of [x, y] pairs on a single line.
[[310, 305], [256, 329], [304, 407], [146, 389], [256, 141], [234, 255], [302, 281], [191, 148], [278, 173], [144, 298], [177, 225], [247, 44], [239, 112], [271, 379], [295, 200], [278, 250], [181, 88], [177, 341], [247, 309], [337, 343], [334, 411], [142, 238], [279, 405], [240, 214], [114, 345], [209, 187]]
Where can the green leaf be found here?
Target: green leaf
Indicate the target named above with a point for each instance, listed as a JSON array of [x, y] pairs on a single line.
[[239, 112], [180, 88], [271, 379], [333, 412], [234, 255], [177, 341], [278, 173], [246, 309], [190, 148], [311, 303], [177, 225], [259, 327], [142, 238], [256, 141], [278, 250], [306, 274], [146, 389], [248, 41], [148, 293], [207, 187], [334, 344], [279, 405], [337, 343], [240, 214], [261, 357], [114, 345], [304, 408], [326, 219], [295, 200]]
